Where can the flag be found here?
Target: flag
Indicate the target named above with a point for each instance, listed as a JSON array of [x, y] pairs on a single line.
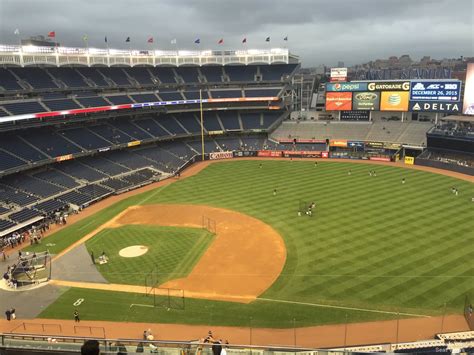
[[197, 41], [150, 40], [244, 40], [85, 38], [105, 39], [52, 34], [173, 41], [128, 39], [17, 32], [286, 38], [267, 39], [221, 41]]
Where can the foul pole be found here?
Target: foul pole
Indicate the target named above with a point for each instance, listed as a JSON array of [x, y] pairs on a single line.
[[202, 125]]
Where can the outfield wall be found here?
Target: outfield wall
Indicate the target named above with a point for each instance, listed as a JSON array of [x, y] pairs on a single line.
[[445, 166]]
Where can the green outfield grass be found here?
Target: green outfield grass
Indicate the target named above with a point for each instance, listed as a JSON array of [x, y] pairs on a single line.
[[374, 242], [172, 252]]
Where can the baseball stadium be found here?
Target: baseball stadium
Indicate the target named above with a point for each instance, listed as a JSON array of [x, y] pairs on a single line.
[[186, 201]]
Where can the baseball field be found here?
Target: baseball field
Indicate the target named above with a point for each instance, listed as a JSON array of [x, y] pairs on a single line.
[[375, 248]]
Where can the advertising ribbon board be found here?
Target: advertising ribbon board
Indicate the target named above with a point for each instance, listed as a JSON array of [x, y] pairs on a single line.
[[269, 153], [409, 160], [445, 91], [221, 155]]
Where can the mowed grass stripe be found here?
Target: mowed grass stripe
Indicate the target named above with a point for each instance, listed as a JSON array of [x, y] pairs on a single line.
[[373, 243]]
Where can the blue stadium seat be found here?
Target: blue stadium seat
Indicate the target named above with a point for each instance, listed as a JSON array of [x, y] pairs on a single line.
[[210, 122], [50, 143], [24, 215], [85, 138], [230, 120], [59, 105], [68, 76], [189, 74], [251, 120], [152, 127], [38, 78], [275, 72], [8, 80], [241, 72], [117, 75], [20, 108], [140, 74], [92, 101], [111, 133], [80, 171], [170, 96], [12, 143], [220, 94], [164, 74], [189, 121], [170, 124], [57, 178], [213, 73], [93, 75], [130, 129], [104, 165], [194, 95], [262, 92], [8, 161], [119, 99], [145, 97]]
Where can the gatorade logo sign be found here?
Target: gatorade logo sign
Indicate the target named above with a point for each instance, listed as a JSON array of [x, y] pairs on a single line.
[[389, 86]]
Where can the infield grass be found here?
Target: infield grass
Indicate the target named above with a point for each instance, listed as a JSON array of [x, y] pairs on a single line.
[[373, 243], [172, 252]]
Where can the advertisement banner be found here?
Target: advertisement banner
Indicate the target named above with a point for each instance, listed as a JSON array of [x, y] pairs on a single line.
[[392, 146], [355, 144], [301, 154], [133, 143], [394, 101], [389, 86], [64, 157], [221, 155], [355, 115], [366, 101], [338, 143], [409, 160], [344, 86], [379, 158], [269, 153], [468, 105], [338, 74], [324, 154], [299, 140], [435, 106], [245, 153], [338, 101], [446, 91], [374, 144]]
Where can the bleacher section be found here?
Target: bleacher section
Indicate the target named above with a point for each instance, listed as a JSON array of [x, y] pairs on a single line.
[[380, 131]]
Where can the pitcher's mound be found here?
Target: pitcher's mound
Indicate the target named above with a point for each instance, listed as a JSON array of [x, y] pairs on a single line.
[[133, 251]]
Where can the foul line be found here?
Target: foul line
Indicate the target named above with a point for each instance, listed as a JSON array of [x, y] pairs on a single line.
[[347, 308], [140, 305]]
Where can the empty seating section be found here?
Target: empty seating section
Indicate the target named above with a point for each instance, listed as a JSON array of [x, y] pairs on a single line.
[[85, 138], [32, 186], [80, 171], [117, 75], [104, 165], [57, 178], [170, 124], [275, 72], [212, 73], [230, 120], [252, 143], [145, 97], [229, 143], [178, 149], [209, 146], [50, 206], [194, 95], [165, 75], [14, 196], [92, 101], [115, 184], [53, 95], [140, 74], [189, 122], [269, 118], [50, 143], [68, 76], [63, 104], [21, 108], [36, 77], [24, 215], [13, 144], [163, 159], [75, 198], [211, 123], [119, 99], [251, 120], [189, 74], [8, 80], [152, 127], [225, 94], [170, 96], [132, 130], [3, 113], [135, 178], [262, 92], [8, 161], [93, 76], [4, 224], [94, 191], [241, 72], [111, 133], [4, 210], [130, 160]]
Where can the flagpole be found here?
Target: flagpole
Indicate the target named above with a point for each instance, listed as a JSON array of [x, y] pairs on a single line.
[[202, 124]]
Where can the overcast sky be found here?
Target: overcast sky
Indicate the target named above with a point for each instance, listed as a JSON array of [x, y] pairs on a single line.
[[319, 31]]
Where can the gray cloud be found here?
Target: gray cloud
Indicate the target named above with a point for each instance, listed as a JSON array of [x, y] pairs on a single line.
[[320, 31]]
